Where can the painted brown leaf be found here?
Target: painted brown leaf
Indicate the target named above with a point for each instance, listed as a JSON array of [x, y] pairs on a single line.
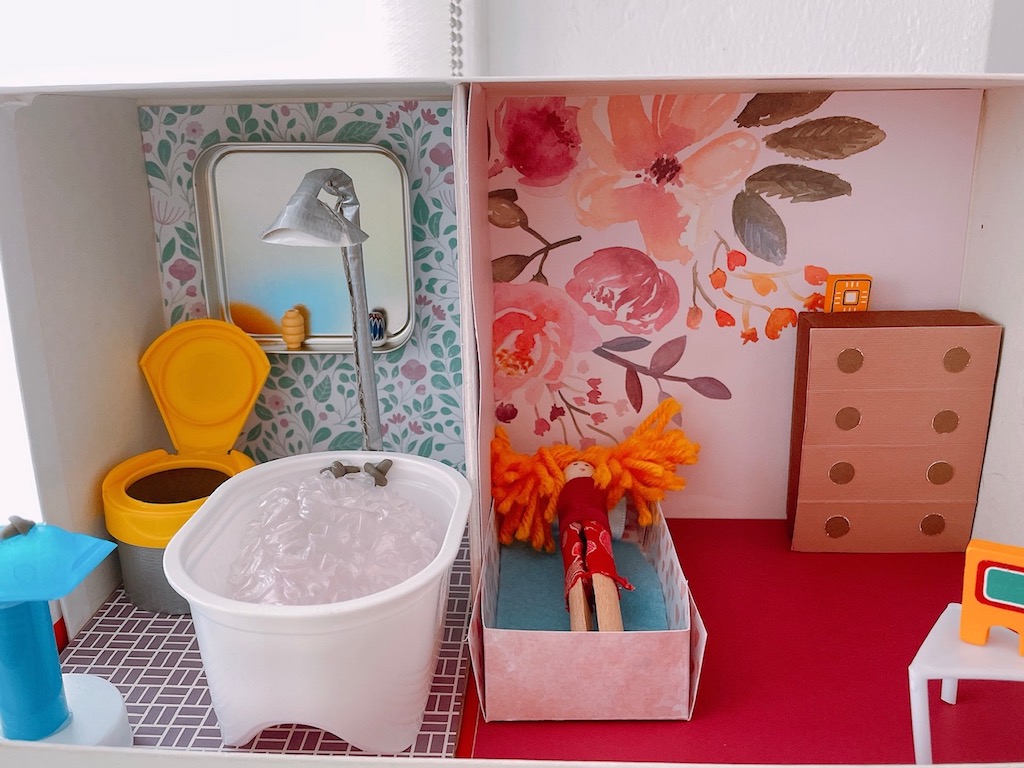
[[759, 227], [827, 138], [775, 108], [667, 355], [502, 210], [634, 392], [505, 269], [625, 344], [710, 387], [798, 183]]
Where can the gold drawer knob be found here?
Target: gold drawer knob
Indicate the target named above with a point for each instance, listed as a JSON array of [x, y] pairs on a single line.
[[933, 525], [841, 472], [940, 473], [847, 418], [956, 359], [837, 526], [850, 360], [945, 422]]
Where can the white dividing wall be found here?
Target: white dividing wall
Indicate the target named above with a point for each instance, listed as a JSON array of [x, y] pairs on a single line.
[[16, 473], [994, 286], [79, 265]]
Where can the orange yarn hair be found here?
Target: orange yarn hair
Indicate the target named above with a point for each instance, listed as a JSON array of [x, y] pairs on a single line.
[[525, 488]]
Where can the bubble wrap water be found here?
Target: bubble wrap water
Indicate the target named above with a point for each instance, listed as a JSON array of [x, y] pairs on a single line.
[[327, 539]]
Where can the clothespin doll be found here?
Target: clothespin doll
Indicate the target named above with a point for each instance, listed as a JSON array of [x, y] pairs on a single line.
[[578, 487]]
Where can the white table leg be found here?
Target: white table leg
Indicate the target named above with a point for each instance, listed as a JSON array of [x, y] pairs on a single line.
[[919, 719], [949, 686]]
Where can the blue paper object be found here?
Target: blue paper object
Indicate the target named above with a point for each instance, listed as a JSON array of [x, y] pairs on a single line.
[[47, 562], [32, 701], [37, 564]]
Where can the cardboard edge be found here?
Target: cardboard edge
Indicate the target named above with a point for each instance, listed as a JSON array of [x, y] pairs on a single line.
[[698, 644], [476, 653]]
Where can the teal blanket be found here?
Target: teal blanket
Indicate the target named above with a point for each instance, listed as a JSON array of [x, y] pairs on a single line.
[[530, 590]]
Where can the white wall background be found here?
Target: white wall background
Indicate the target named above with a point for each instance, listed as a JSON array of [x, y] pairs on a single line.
[[110, 42], [538, 38]]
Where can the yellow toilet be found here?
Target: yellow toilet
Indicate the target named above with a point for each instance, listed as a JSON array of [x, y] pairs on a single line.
[[205, 376]]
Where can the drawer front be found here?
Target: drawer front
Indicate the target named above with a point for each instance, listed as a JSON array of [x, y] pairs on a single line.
[[890, 473], [883, 527], [901, 417], [946, 357]]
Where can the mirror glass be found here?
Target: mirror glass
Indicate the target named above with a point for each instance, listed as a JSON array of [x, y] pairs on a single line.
[[241, 188]]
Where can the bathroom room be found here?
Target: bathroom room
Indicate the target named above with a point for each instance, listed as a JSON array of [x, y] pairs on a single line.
[[111, 235]]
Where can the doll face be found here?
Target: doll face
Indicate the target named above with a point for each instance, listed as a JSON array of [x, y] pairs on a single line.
[[578, 469]]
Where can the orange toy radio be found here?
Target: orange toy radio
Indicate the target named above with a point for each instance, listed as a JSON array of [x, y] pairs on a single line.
[[993, 591]]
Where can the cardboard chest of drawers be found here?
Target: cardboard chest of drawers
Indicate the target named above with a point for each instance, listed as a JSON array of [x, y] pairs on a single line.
[[890, 420]]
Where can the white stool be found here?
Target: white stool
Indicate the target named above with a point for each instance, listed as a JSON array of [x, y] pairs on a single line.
[[944, 656]]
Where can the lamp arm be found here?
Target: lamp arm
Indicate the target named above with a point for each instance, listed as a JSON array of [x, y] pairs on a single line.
[[366, 378]]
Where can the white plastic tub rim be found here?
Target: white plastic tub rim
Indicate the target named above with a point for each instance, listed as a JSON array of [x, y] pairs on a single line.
[[200, 576]]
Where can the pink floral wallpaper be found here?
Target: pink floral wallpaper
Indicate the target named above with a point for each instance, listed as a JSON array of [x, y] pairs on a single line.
[[646, 246]]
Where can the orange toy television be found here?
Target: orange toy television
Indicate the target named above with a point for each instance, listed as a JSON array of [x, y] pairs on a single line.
[[993, 591]]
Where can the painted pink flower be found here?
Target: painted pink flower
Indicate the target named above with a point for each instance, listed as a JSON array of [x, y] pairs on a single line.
[[441, 154], [415, 428], [182, 270], [429, 116], [538, 137], [693, 317], [391, 121], [409, 106], [537, 331], [815, 275], [652, 168], [275, 403], [505, 412], [624, 287], [541, 427], [413, 370], [194, 129]]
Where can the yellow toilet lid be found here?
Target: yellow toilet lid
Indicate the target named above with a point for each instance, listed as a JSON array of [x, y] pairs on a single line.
[[205, 376]]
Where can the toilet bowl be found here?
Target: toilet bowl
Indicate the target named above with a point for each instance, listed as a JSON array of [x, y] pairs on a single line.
[[205, 376]]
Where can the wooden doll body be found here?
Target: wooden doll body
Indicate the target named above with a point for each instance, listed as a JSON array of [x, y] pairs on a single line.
[[586, 545]]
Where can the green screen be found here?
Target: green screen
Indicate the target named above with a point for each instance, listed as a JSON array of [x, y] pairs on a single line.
[[1003, 586]]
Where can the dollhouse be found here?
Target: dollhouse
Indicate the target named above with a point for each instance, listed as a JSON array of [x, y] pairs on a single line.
[[98, 261]]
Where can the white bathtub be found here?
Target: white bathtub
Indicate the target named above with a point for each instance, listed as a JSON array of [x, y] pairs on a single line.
[[359, 669]]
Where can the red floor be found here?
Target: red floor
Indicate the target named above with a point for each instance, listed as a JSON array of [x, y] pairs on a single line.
[[806, 662]]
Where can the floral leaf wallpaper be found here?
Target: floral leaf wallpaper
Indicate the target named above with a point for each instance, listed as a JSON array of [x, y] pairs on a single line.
[[662, 245], [309, 402], [661, 166]]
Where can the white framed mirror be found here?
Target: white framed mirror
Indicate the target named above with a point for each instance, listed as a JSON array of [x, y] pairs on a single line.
[[241, 187]]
